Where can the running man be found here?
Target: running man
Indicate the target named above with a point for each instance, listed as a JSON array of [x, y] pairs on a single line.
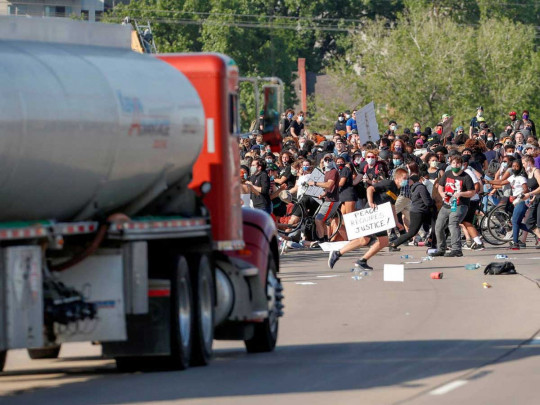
[[380, 193]]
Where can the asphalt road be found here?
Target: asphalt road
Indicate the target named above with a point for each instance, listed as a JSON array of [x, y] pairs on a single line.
[[342, 341]]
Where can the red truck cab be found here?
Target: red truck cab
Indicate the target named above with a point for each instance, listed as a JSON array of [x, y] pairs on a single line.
[[215, 78]]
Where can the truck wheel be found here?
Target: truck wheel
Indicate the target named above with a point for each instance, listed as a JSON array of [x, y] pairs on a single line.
[[44, 352], [266, 333], [203, 331], [2, 359], [181, 315]]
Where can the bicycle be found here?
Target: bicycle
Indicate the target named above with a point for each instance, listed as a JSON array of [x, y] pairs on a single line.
[[297, 219]]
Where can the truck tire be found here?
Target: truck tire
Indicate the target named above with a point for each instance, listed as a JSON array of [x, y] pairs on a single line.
[[266, 333], [44, 352], [203, 331], [181, 315], [3, 354]]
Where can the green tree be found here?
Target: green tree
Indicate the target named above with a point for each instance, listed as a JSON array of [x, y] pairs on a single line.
[[430, 64]]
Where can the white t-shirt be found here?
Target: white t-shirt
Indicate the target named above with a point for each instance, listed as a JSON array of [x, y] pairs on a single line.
[[475, 180], [517, 182]]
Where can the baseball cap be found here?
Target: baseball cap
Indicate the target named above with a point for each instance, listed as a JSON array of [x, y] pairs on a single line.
[[512, 113]]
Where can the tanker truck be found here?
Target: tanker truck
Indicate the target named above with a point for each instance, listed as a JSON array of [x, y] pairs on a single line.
[[120, 212]]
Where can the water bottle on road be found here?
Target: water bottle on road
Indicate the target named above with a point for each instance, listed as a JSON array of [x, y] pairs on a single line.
[[472, 266], [359, 273]]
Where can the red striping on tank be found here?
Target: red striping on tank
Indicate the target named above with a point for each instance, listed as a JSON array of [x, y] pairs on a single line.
[[162, 292]]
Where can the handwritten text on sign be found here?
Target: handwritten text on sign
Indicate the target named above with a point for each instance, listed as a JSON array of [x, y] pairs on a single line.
[[369, 221]]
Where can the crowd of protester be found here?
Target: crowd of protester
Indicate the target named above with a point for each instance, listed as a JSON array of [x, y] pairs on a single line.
[[436, 180]]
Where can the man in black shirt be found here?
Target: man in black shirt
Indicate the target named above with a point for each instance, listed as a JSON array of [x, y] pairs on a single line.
[[259, 185], [456, 188], [380, 193]]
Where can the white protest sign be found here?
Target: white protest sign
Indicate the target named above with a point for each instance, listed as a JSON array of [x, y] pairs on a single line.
[[366, 122], [369, 221], [318, 177]]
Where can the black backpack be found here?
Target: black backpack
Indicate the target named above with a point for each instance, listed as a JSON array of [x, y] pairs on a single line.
[[500, 268], [493, 166]]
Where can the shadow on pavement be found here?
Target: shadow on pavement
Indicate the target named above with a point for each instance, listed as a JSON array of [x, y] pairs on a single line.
[[290, 369]]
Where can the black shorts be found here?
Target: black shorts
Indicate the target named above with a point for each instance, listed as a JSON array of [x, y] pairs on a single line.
[[473, 206]]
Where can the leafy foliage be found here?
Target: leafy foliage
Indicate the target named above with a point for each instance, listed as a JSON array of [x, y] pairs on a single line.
[[416, 58]]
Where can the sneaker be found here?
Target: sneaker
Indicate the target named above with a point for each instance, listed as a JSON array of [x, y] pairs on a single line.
[[393, 248], [333, 257], [314, 245], [413, 243], [522, 244], [477, 246], [514, 246], [282, 246], [362, 264], [454, 253], [438, 253], [468, 245]]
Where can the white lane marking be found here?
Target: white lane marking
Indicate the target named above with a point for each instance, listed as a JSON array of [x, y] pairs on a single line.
[[448, 387], [332, 276], [306, 283]]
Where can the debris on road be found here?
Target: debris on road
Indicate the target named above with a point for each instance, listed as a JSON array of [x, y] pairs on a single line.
[[436, 275], [486, 285]]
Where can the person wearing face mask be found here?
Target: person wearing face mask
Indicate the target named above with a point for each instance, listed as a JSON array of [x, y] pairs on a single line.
[[475, 123], [340, 128], [433, 172], [527, 123], [347, 192], [455, 186], [532, 196], [330, 196], [259, 186], [286, 175], [417, 128], [420, 211], [285, 125], [269, 158], [380, 193], [517, 180], [297, 126], [392, 127], [510, 150]]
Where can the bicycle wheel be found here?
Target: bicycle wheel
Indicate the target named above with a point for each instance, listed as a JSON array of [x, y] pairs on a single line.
[[499, 224], [292, 221], [483, 229], [337, 221]]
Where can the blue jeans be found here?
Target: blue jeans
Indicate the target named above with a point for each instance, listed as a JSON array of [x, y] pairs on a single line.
[[517, 218]]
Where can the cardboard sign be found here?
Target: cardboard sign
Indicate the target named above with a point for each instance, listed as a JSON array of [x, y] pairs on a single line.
[[369, 221], [366, 122], [318, 177]]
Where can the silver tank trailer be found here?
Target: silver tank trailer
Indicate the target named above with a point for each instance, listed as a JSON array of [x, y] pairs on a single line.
[[87, 129]]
